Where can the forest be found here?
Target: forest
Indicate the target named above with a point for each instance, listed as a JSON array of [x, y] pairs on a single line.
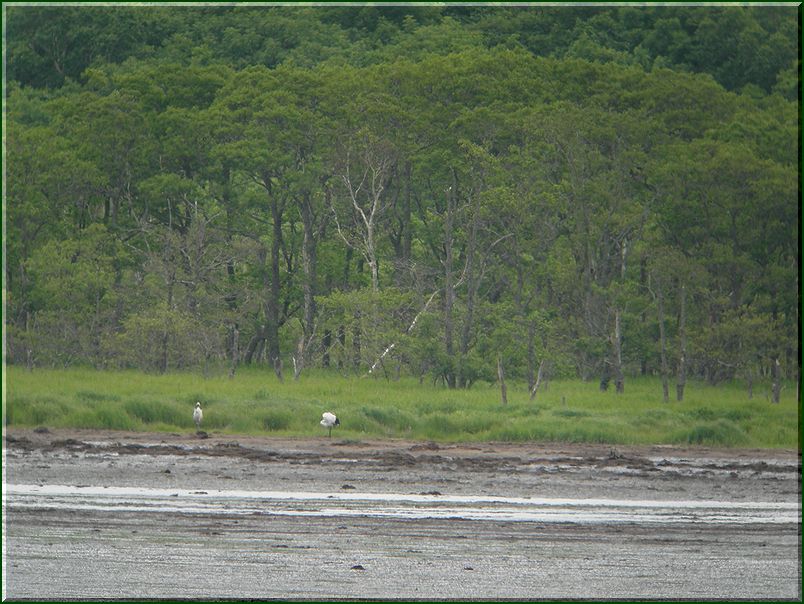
[[445, 192]]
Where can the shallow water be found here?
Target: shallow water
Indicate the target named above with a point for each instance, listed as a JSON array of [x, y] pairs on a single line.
[[400, 505]]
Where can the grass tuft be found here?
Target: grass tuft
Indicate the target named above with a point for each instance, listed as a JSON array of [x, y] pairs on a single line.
[[276, 420], [722, 433], [156, 412], [89, 395]]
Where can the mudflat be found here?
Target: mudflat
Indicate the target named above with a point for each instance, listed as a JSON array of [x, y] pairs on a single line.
[[104, 514]]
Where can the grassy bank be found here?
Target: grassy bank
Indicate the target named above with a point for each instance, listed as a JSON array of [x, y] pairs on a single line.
[[255, 402]]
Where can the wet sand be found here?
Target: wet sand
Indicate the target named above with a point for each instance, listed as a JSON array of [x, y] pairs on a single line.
[[266, 518]]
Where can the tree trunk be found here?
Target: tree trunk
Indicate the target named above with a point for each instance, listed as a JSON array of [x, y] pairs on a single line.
[[356, 352], [235, 349], [605, 378], [535, 388], [662, 343], [341, 335], [231, 295], [309, 265], [272, 306], [277, 362], [501, 376], [28, 348], [407, 234], [776, 387], [449, 287], [682, 343], [255, 346], [471, 287], [298, 359], [163, 357], [532, 357], [391, 346], [619, 378], [375, 271]]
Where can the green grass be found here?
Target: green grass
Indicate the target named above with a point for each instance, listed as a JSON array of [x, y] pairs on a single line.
[[255, 402]]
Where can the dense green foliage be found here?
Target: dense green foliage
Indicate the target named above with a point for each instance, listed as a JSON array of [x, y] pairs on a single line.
[[568, 411], [411, 191]]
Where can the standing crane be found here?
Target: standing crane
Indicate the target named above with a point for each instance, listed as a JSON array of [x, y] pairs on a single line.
[[328, 420]]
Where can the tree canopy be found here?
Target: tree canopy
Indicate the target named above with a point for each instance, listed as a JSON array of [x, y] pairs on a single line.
[[423, 189]]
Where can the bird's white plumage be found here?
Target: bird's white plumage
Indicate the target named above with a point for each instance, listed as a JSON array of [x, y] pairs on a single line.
[[198, 415], [328, 419]]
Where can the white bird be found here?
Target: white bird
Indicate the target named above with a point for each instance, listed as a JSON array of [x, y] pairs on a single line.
[[198, 415], [328, 420]]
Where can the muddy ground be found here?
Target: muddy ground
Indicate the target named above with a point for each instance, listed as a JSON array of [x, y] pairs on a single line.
[[222, 546]]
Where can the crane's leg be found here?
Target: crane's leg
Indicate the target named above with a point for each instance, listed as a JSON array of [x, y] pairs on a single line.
[[330, 431]]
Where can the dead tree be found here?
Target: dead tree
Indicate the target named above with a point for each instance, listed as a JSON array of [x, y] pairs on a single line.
[[538, 382]]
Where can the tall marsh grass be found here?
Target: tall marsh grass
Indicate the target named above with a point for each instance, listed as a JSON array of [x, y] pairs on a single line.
[[255, 402]]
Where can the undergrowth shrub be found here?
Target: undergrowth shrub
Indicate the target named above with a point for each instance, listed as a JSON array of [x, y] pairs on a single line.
[[276, 419], [105, 417], [392, 419], [721, 432], [152, 412], [438, 425], [26, 412]]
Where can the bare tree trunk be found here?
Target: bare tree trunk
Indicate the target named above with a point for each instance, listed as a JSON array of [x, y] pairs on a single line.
[[28, 347], [776, 387], [235, 350], [371, 185], [375, 275], [298, 359], [391, 346], [535, 388], [532, 359], [682, 342], [163, 357], [501, 376], [662, 343], [619, 379], [356, 353], [260, 348]]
